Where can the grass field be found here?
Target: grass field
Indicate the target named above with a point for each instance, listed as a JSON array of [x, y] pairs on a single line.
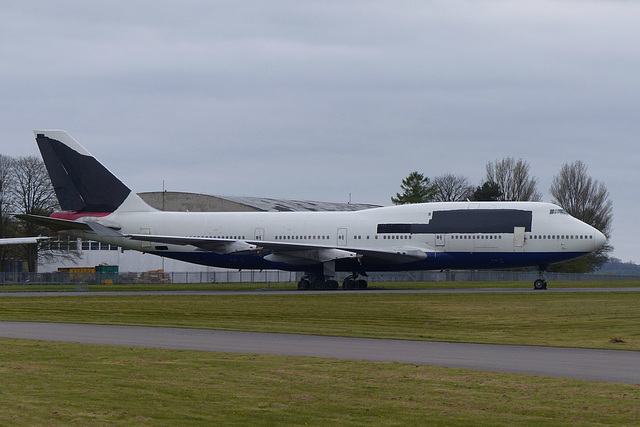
[[47, 383], [286, 286], [606, 320]]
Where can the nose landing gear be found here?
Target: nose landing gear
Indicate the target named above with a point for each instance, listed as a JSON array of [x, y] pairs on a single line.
[[541, 281]]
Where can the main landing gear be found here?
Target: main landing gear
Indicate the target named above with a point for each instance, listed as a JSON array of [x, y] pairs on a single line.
[[313, 282], [541, 281], [317, 282], [352, 282]]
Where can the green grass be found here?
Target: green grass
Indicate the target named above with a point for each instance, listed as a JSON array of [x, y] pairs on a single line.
[[49, 383], [287, 286], [590, 320]]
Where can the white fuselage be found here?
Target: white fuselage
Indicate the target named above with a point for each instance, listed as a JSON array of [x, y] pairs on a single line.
[[548, 234]]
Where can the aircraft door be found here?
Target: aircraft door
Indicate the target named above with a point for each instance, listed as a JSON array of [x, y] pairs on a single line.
[[518, 237], [342, 237], [440, 240], [258, 234], [145, 245]]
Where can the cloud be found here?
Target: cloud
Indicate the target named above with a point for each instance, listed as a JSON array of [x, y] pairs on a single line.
[[317, 100]]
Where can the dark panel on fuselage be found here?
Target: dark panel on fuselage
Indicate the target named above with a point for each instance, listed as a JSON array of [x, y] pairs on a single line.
[[466, 221]]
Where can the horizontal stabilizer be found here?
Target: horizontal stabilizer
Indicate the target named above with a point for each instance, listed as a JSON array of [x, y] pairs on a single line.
[[55, 224], [22, 240]]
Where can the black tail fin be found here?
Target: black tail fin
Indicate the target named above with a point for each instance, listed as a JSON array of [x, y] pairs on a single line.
[[81, 183]]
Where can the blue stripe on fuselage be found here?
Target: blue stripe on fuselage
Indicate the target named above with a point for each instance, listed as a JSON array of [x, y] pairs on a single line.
[[434, 261]]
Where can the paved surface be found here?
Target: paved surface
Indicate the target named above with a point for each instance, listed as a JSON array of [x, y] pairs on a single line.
[[597, 365]]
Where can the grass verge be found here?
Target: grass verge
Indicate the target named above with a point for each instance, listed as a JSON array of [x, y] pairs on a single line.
[[286, 286], [48, 383], [607, 320]]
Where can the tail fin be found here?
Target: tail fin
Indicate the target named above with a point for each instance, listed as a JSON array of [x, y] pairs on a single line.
[[82, 183]]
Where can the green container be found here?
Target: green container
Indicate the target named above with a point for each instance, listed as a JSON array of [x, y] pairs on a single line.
[[107, 274]]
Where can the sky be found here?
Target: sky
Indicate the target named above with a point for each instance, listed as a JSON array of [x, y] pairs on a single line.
[[330, 100]]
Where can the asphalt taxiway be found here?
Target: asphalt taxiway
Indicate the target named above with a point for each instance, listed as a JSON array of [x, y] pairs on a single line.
[[587, 364]]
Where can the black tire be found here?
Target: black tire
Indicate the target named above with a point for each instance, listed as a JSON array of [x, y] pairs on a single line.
[[304, 285], [349, 284], [331, 285], [539, 284], [361, 284]]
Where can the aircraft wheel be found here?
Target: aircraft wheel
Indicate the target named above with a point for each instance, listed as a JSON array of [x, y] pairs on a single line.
[[540, 284], [349, 284], [331, 285], [361, 284], [304, 285], [317, 284]]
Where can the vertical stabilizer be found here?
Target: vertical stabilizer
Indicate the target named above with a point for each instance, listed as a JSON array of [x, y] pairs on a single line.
[[82, 183]]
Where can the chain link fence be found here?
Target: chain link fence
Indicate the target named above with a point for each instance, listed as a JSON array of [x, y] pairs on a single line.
[[78, 281]]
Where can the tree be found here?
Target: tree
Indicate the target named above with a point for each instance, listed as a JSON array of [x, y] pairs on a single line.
[[416, 188], [6, 203], [587, 200], [452, 188], [513, 180], [487, 192], [32, 193]]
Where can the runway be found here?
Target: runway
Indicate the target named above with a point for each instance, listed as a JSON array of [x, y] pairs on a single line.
[[586, 364]]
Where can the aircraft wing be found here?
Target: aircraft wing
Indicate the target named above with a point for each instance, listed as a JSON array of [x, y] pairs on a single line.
[[222, 246], [397, 255], [289, 252], [390, 254], [295, 253]]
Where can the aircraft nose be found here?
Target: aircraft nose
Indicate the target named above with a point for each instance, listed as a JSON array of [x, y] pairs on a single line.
[[600, 239]]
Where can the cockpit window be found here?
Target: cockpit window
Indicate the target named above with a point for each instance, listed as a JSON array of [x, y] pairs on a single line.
[[557, 211]]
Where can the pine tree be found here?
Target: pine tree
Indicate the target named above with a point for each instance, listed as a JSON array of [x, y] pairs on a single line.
[[416, 188]]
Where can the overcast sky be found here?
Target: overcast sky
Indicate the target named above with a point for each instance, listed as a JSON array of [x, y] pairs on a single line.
[[316, 100]]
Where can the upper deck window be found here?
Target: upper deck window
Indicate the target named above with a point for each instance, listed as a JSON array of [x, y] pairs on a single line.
[[557, 211]]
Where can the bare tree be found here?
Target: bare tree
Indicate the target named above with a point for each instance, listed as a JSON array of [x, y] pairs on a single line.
[[452, 188], [586, 199], [32, 193], [513, 180], [582, 196], [6, 184]]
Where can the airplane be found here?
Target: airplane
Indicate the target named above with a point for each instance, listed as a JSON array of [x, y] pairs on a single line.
[[98, 206]]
